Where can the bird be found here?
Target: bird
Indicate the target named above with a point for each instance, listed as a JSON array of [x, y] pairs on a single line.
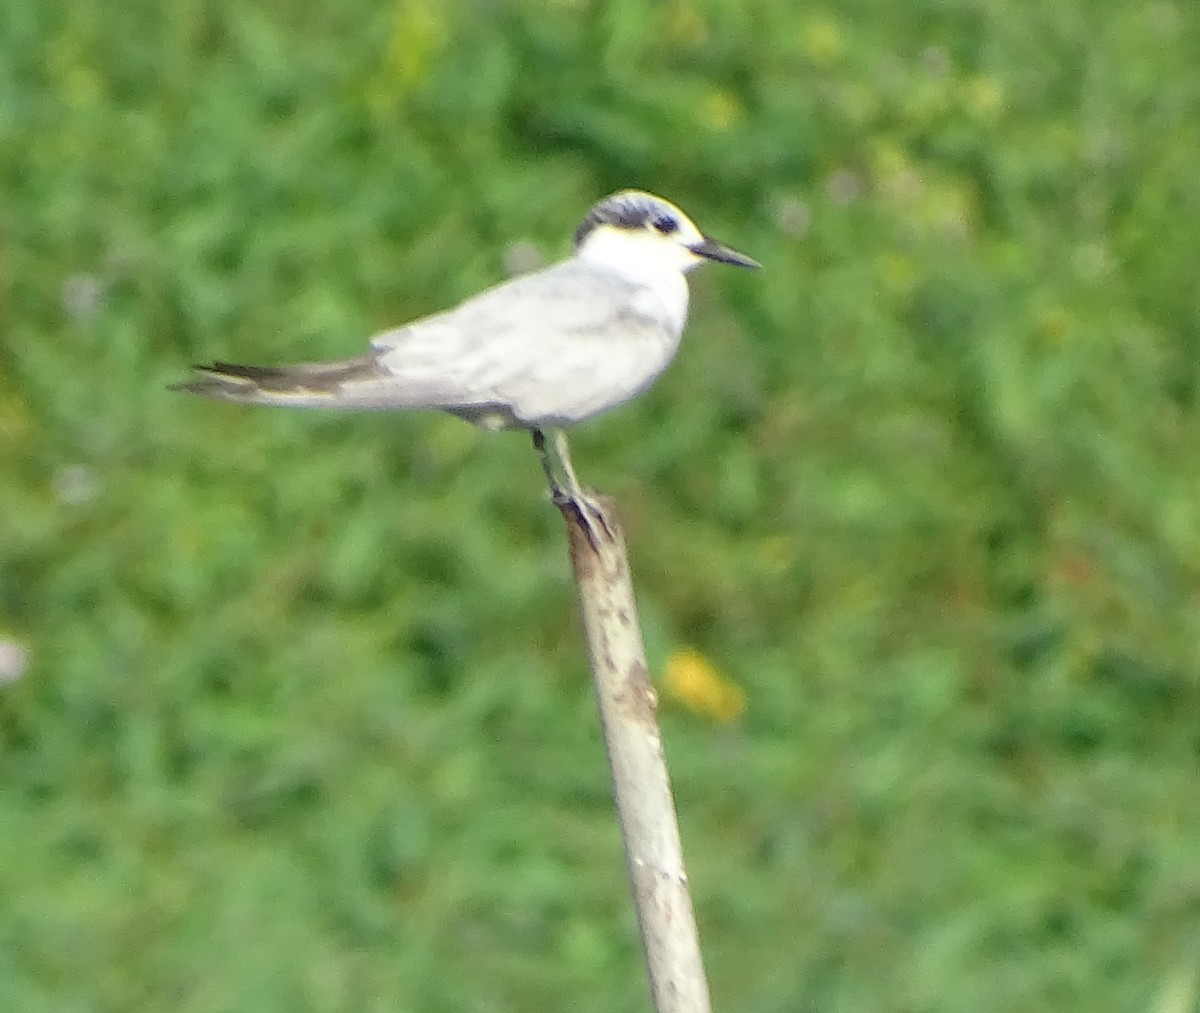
[[540, 352]]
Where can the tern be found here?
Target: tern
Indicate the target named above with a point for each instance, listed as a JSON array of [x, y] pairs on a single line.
[[539, 352]]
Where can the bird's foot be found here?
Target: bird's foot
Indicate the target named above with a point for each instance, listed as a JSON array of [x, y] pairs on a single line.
[[590, 514]]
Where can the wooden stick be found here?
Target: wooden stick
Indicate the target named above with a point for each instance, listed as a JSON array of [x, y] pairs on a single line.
[[641, 785]]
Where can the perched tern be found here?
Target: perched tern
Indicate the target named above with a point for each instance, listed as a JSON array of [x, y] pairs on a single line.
[[539, 352]]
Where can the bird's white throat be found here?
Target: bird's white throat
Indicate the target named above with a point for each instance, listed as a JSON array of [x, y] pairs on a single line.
[[654, 262]]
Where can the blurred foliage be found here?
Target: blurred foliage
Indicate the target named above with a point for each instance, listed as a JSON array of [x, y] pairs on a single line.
[[294, 712]]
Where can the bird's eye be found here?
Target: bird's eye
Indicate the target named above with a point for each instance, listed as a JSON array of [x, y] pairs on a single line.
[[665, 225]]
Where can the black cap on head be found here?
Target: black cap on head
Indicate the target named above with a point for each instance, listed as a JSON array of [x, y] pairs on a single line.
[[629, 209]]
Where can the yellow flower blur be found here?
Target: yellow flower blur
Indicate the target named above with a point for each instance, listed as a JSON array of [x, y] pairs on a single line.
[[692, 680]]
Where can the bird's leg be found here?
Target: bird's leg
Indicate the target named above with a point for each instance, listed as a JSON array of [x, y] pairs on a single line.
[[563, 453], [587, 507], [539, 444], [571, 494]]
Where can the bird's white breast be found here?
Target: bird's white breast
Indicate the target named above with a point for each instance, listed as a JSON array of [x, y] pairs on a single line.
[[664, 297], [662, 290]]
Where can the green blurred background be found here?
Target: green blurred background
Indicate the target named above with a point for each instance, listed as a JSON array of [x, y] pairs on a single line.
[[295, 712]]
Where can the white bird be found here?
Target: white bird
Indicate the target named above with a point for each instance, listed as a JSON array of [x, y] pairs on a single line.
[[539, 352]]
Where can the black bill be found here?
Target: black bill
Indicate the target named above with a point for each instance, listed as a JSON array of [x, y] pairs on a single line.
[[722, 254]]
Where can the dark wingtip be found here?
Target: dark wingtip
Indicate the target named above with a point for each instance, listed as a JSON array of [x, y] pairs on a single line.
[[197, 383], [221, 380]]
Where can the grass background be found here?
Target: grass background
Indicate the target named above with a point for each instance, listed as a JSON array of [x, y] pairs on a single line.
[[296, 714]]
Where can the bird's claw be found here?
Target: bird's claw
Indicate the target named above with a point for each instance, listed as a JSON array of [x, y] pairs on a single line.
[[590, 514]]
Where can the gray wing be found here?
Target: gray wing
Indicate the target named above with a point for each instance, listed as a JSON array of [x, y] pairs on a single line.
[[545, 349]]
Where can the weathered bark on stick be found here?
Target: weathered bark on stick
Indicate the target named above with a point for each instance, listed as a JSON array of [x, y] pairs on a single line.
[[641, 785]]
